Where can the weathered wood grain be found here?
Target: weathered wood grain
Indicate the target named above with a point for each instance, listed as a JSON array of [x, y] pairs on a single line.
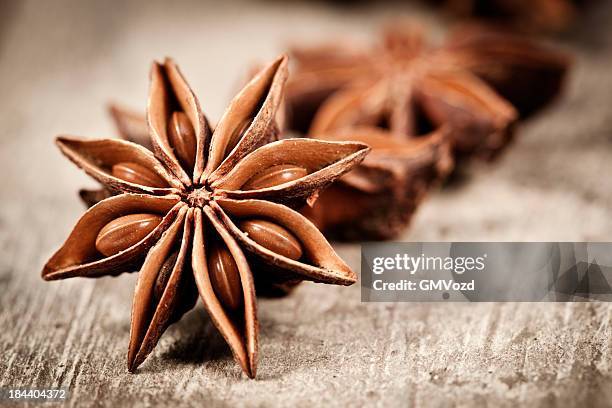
[[60, 62]]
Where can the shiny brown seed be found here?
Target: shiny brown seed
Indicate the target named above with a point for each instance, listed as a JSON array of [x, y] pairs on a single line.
[[224, 276], [163, 276], [238, 133], [275, 175], [123, 232], [137, 174], [273, 237], [182, 138]]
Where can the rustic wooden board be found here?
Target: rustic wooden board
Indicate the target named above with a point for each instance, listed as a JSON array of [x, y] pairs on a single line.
[[61, 62]]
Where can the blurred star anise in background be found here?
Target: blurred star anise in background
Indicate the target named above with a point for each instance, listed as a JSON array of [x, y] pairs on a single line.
[[414, 104]]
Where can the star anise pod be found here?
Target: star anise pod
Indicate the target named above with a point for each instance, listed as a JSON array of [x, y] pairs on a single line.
[[377, 199], [408, 88], [205, 212]]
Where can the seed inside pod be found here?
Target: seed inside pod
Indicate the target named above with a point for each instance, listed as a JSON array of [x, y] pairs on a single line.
[[123, 232], [238, 133], [273, 237], [137, 174], [275, 175], [163, 276], [182, 138], [224, 276]]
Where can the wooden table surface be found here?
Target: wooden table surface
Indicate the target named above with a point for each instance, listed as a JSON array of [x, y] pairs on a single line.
[[62, 61]]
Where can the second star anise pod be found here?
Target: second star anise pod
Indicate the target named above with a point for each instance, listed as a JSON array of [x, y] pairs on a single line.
[[205, 212], [407, 87]]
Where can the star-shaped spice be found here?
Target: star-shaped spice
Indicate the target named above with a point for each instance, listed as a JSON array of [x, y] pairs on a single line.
[[408, 88], [205, 212]]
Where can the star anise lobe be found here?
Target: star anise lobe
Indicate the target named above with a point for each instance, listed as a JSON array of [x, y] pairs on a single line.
[[275, 175], [224, 276], [137, 174], [272, 237], [182, 137], [125, 231]]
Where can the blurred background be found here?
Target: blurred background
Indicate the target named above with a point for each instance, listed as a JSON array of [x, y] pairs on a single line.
[[62, 62]]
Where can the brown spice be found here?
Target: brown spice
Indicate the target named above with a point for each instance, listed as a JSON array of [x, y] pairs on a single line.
[[409, 89], [181, 213]]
